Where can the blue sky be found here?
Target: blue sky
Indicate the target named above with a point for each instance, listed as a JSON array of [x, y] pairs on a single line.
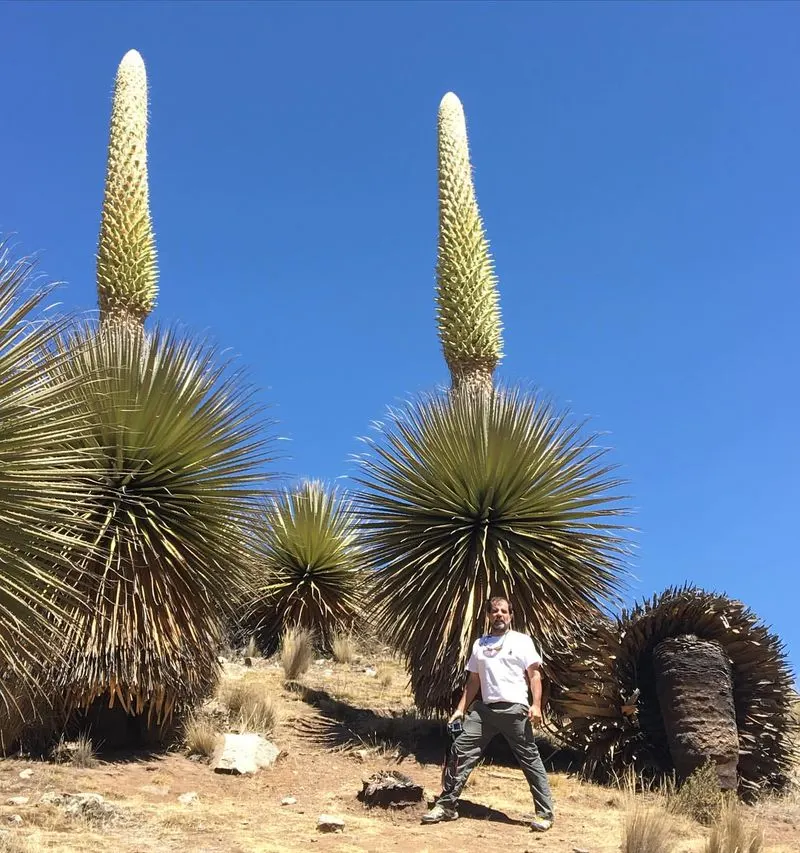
[[637, 168]]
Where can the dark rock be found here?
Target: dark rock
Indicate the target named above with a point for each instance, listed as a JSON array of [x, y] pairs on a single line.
[[390, 789]]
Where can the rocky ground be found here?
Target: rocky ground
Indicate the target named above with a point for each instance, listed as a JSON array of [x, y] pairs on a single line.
[[343, 723]]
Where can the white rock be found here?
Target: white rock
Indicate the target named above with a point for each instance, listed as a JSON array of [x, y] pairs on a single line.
[[247, 753], [320, 662], [25, 774], [327, 673], [330, 823], [371, 671], [17, 801], [288, 801], [188, 798], [15, 819]]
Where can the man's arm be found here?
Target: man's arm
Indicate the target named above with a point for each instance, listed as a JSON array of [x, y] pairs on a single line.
[[471, 689], [535, 711]]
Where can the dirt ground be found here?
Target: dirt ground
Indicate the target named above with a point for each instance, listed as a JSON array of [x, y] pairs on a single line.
[[324, 763]]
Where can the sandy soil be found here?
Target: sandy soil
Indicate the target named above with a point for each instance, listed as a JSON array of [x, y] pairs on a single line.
[[235, 814]]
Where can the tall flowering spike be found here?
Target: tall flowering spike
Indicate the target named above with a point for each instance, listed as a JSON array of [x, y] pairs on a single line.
[[468, 302], [127, 273]]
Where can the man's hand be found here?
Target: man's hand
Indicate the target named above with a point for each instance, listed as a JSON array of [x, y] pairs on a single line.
[[535, 716], [458, 714]]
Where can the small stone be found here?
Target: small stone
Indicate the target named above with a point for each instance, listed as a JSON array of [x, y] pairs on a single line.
[[221, 659], [370, 671], [17, 801], [320, 662], [188, 798], [248, 662], [15, 819], [288, 801], [25, 774], [330, 823]]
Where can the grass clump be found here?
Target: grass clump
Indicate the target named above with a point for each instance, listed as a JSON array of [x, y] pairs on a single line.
[[251, 650], [646, 829], [385, 676], [297, 652], [252, 705], [200, 737], [700, 797], [14, 844], [78, 753], [730, 833], [343, 648]]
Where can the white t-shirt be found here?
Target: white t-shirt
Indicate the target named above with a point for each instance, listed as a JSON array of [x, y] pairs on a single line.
[[501, 663]]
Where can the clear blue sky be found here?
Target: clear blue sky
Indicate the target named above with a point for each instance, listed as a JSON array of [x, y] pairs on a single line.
[[638, 168]]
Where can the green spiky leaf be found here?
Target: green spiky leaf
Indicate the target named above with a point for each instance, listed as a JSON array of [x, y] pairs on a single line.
[[311, 566], [467, 497], [127, 274], [467, 297]]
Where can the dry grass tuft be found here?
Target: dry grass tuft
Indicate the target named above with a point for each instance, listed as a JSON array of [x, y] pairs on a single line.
[[297, 652], [646, 829], [385, 676], [200, 736], [251, 650], [700, 797], [78, 753], [730, 833], [344, 649], [14, 844], [253, 706]]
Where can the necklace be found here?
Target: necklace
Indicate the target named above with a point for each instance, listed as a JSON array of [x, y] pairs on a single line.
[[491, 651]]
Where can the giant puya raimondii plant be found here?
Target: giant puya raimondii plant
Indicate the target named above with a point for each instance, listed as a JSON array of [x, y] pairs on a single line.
[[309, 566], [480, 489], [175, 439], [615, 701]]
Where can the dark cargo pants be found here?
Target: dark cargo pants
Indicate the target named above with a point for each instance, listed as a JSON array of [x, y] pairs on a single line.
[[481, 724]]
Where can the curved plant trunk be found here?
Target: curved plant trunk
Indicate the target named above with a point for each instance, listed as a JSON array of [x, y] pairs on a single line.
[[694, 683]]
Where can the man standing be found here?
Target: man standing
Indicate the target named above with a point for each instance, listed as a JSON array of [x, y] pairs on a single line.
[[502, 665]]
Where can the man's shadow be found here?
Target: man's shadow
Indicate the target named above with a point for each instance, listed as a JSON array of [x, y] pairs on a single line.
[[476, 811]]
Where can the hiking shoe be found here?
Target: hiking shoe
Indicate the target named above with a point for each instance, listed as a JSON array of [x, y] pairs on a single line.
[[541, 824], [439, 813]]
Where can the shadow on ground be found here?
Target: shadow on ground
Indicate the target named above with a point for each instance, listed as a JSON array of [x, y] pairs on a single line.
[[476, 811], [340, 725]]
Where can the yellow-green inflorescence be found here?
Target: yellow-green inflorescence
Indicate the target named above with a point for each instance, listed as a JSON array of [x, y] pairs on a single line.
[[468, 304], [127, 273]]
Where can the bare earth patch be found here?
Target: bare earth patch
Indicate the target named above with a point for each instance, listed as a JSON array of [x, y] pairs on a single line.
[[232, 814]]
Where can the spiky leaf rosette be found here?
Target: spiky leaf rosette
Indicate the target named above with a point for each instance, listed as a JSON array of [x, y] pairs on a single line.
[[311, 566], [466, 497], [127, 274], [40, 479], [177, 446], [608, 687], [467, 298]]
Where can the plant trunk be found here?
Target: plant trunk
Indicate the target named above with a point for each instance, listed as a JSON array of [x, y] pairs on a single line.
[[473, 381], [694, 683]]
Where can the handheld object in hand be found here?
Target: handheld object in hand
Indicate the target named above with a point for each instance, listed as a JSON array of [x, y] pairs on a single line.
[[455, 728]]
